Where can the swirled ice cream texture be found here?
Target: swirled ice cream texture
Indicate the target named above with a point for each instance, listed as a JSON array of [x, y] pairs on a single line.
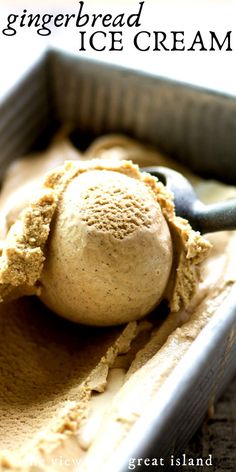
[[46, 363]]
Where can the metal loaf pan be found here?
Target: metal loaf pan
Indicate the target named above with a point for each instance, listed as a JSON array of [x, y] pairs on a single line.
[[196, 127]]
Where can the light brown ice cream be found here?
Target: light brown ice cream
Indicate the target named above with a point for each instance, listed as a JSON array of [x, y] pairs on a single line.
[[25, 175], [52, 373], [109, 254], [48, 369], [96, 244]]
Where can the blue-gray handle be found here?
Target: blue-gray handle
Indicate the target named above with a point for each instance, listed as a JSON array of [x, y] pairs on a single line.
[[203, 218], [216, 217]]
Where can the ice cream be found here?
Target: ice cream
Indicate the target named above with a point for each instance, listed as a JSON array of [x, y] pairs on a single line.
[[54, 414], [96, 245], [24, 176], [109, 253]]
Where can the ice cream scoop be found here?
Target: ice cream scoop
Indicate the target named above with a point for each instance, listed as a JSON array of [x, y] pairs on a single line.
[[204, 218], [101, 244], [109, 253]]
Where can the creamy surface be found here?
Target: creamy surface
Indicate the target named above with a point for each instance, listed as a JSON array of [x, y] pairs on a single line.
[[54, 373], [24, 176], [167, 345]]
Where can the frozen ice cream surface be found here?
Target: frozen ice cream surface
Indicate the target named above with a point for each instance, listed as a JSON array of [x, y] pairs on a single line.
[[109, 253], [70, 394], [96, 245], [25, 175]]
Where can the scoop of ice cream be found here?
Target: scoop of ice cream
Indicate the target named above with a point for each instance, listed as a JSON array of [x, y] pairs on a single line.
[[109, 253], [98, 250]]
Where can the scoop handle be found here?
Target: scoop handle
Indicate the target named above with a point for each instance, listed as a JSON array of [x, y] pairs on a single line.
[[215, 217], [204, 218]]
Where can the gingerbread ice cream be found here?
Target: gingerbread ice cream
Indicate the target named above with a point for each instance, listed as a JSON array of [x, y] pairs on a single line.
[[67, 390], [101, 245]]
